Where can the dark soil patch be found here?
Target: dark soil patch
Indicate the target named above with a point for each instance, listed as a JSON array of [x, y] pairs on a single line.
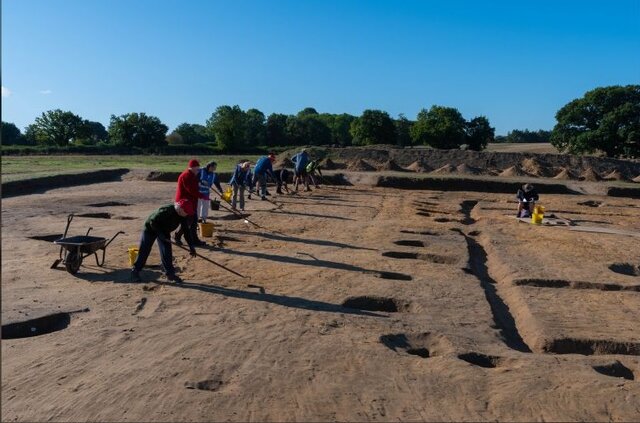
[[466, 207], [412, 345], [395, 276], [591, 347], [482, 360], [205, 385], [474, 233], [400, 255], [559, 283], [96, 215], [48, 238], [625, 269], [425, 214], [371, 303], [591, 203], [410, 243], [433, 258], [615, 369], [443, 220], [108, 204], [406, 231]]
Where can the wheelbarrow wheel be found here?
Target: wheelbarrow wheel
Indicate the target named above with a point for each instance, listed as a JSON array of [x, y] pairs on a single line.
[[73, 262]]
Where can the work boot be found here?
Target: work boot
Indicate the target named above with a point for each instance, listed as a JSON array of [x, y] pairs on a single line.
[[174, 279], [135, 276]]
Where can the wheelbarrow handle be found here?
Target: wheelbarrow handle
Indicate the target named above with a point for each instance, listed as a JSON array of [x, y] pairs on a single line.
[[69, 219], [88, 230], [114, 237]]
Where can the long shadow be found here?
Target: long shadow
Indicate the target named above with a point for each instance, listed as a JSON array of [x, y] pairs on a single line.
[[321, 242], [323, 216], [501, 314], [122, 276], [330, 204]]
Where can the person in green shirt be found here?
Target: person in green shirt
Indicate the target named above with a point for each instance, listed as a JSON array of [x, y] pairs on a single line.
[[314, 173], [159, 226]]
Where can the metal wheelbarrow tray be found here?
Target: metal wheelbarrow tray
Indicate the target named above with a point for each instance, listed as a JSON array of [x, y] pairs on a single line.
[[77, 248]]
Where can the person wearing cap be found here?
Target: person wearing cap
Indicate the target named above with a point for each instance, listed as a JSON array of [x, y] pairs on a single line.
[[300, 161], [158, 227], [238, 182], [264, 168], [527, 197], [189, 189]]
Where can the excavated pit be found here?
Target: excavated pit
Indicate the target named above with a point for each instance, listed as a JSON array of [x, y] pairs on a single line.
[[108, 204], [482, 360], [615, 369], [394, 276], [372, 303], [409, 243], [36, 327], [433, 258], [591, 347], [625, 269], [96, 215]]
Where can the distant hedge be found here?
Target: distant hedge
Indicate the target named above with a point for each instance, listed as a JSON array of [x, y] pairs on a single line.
[[169, 150]]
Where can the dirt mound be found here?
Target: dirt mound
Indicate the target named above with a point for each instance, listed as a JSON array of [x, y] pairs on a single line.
[[534, 168], [615, 175], [390, 165], [329, 164], [467, 170], [565, 174], [448, 168], [418, 166], [283, 162], [590, 175], [513, 171], [360, 165]]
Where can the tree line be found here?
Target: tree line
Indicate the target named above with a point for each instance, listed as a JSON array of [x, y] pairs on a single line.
[[232, 129], [606, 120]]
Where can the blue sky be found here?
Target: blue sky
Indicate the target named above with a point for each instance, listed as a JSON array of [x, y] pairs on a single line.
[[516, 62]]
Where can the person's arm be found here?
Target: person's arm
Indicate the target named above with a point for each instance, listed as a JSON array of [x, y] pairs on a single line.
[[184, 227], [534, 196], [216, 183]]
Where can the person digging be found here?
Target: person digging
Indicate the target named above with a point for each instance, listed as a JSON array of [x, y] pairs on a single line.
[[527, 197], [158, 227], [188, 188], [262, 170]]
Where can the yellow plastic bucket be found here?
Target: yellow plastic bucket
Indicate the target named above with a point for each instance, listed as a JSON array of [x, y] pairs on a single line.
[[226, 196], [133, 255], [206, 229]]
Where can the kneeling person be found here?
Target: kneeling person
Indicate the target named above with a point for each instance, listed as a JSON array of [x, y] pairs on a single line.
[[527, 197], [159, 225]]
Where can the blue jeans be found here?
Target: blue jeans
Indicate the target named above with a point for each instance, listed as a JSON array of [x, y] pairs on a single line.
[[146, 242], [262, 179]]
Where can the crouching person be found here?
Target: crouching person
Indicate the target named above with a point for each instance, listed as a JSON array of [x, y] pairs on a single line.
[[159, 226], [527, 198]]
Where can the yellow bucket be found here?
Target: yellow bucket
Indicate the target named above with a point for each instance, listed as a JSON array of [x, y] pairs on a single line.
[[538, 215], [226, 196], [206, 229], [133, 255]]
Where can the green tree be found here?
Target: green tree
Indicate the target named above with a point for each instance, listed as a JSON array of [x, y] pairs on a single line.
[[174, 138], [517, 136], [11, 135], [255, 128], [605, 119], [92, 133], [307, 129], [56, 127], [479, 133], [373, 127], [137, 130], [440, 127], [228, 124], [194, 134], [403, 130], [307, 111], [339, 127], [275, 130]]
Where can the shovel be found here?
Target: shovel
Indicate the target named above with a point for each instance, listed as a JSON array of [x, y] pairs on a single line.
[[57, 261]]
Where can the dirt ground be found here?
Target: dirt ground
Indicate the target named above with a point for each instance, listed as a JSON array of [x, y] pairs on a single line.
[[358, 303]]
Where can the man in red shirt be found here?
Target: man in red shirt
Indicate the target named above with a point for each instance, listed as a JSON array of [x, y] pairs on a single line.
[[188, 188]]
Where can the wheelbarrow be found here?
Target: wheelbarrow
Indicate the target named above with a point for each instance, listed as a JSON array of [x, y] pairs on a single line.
[[74, 249]]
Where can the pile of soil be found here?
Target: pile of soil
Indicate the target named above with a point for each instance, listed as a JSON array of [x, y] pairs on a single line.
[[515, 170], [283, 162], [467, 170], [329, 164], [533, 167], [360, 165], [615, 175], [390, 165], [565, 174], [590, 175], [448, 168], [418, 166]]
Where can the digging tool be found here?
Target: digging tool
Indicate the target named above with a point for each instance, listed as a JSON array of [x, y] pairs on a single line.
[[57, 261], [211, 261]]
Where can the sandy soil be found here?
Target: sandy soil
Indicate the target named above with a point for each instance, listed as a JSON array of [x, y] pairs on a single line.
[[358, 304]]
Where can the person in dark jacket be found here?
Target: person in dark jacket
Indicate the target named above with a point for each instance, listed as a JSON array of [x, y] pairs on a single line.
[[527, 197], [282, 180], [264, 168], [158, 227], [300, 162], [239, 182]]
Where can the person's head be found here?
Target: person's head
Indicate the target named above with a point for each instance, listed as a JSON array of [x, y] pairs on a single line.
[[194, 166], [527, 187], [272, 157], [184, 207], [211, 166], [245, 165]]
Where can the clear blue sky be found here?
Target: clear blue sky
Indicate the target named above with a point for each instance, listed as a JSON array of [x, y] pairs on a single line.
[[515, 62]]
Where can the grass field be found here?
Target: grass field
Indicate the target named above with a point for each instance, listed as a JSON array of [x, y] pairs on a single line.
[[25, 167], [540, 148]]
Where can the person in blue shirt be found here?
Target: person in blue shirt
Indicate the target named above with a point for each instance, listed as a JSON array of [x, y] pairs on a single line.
[[300, 162], [238, 182], [264, 168]]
